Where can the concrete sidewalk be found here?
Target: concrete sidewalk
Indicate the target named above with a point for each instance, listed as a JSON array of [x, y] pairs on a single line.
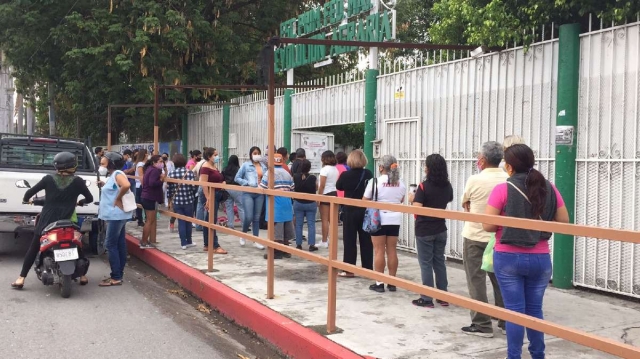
[[387, 325]]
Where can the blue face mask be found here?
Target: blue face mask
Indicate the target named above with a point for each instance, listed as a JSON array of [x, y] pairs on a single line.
[[216, 159]]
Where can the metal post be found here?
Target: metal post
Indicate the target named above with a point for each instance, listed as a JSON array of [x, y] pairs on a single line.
[[30, 119], [226, 114], [567, 120], [370, 94], [156, 114], [210, 208], [185, 136], [333, 272], [109, 128], [20, 105], [52, 112], [271, 200], [286, 125]]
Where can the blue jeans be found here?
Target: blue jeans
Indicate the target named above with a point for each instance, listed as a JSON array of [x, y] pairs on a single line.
[[431, 260], [308, 210], [234, 197], [252, 203], [200, 207], [117, 247], [184, 227], [205, 231], [523, 279]]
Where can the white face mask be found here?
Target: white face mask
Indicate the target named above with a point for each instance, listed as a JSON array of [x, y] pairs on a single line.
[[102, 171], [256, 158]]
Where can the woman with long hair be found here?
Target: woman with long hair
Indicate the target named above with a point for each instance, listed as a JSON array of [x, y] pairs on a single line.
[[196, 157], [327, 186], [235, 197], [152, 195], [389, 189], [141, 159], [61, 197], [209, 173], [521, 259], [431, 232], [250, 174], [305, 183]]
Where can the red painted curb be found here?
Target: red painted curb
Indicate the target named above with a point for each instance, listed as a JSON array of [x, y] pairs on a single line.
[[290, 337]]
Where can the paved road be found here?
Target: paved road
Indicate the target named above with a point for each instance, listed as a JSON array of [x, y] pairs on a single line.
[[141, 319]]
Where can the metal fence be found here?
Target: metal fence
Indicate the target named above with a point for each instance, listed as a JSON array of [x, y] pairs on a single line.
[[452, 107], [608, 158]]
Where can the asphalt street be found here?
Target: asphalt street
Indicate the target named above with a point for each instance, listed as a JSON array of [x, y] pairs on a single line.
[[146, 317]]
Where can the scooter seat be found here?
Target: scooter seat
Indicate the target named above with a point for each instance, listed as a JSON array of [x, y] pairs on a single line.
[[64, 223]]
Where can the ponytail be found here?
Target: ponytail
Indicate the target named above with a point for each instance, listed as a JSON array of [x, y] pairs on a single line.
[[536, 186], [394, 174]]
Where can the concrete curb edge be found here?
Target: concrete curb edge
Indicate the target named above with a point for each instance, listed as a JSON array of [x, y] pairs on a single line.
[[290, 337]]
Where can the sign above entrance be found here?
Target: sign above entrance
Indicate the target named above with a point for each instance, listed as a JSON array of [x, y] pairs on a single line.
[[331, 21]]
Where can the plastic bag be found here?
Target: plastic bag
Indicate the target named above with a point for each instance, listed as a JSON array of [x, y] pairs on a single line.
[[487, 257]]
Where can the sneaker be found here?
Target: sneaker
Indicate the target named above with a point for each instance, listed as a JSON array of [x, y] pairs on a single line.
[[377, 287], [442, 303], [183, 247], [422, 303], [190, 245], [298, 247], [313, 248], [258, 245], [285, 255], [323, 245], [242, 242], [474, 330], [172, 228], [277, 255], [391, 288], [503, 330]]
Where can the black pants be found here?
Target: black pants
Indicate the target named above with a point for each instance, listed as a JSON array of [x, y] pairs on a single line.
[[351, 231]]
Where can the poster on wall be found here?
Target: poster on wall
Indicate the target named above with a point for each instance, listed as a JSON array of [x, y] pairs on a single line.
[[314, 146]]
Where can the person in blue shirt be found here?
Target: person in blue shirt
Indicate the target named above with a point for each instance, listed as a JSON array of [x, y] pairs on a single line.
[[283, 209]]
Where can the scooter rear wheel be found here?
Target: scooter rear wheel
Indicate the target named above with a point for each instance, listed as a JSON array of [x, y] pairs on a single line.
[[65, 286]]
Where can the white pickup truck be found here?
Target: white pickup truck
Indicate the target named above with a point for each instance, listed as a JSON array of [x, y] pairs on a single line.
[[29, 158]]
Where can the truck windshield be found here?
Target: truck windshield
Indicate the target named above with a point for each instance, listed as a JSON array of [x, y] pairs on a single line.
[[22, 153]]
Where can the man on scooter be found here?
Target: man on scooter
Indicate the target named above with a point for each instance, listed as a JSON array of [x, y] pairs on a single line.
[[61, 198]]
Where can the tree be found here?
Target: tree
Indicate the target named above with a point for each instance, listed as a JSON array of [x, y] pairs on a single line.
[[502, 22]]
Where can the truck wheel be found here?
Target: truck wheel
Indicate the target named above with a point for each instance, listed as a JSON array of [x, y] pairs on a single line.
[[65, 286]]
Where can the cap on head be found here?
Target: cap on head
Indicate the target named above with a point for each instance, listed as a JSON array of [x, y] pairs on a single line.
[[277, 159]]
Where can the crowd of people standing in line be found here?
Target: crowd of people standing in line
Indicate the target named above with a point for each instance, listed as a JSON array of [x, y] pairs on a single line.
[[506, 184]]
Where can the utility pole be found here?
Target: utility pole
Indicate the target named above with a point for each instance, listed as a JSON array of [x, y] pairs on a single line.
[[52, 113]]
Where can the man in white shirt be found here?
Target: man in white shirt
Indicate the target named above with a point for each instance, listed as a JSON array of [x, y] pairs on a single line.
[[474, 200]]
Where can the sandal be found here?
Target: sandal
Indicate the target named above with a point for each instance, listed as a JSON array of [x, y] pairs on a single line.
[[15, 285], [110, 283], [219, 250], [346, 275]]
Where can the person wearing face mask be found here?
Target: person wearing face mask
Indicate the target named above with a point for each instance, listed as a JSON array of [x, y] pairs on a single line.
[[152, 195], [210, 173], [129, 168], [474, 200], [508, 142], [250, 175], [168, 168], [521, 258], [196, 172], [140, 160]]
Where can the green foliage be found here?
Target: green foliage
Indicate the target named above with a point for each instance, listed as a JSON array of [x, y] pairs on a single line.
[[111, 52], [346, 135], [502, 22]]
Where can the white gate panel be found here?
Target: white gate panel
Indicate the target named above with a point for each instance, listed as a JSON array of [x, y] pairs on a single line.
[[608, 158], [249, 123], [205, 128], [462, 104], [401, 140], [334, 105]]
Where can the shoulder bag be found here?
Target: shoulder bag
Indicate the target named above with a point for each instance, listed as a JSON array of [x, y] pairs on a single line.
[[129, 199], [372, 223]]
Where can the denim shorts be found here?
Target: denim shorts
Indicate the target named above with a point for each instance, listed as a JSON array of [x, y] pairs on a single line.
[[149, 204]]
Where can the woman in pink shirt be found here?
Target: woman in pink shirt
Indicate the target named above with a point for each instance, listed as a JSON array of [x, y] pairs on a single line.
[[521, 260]]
